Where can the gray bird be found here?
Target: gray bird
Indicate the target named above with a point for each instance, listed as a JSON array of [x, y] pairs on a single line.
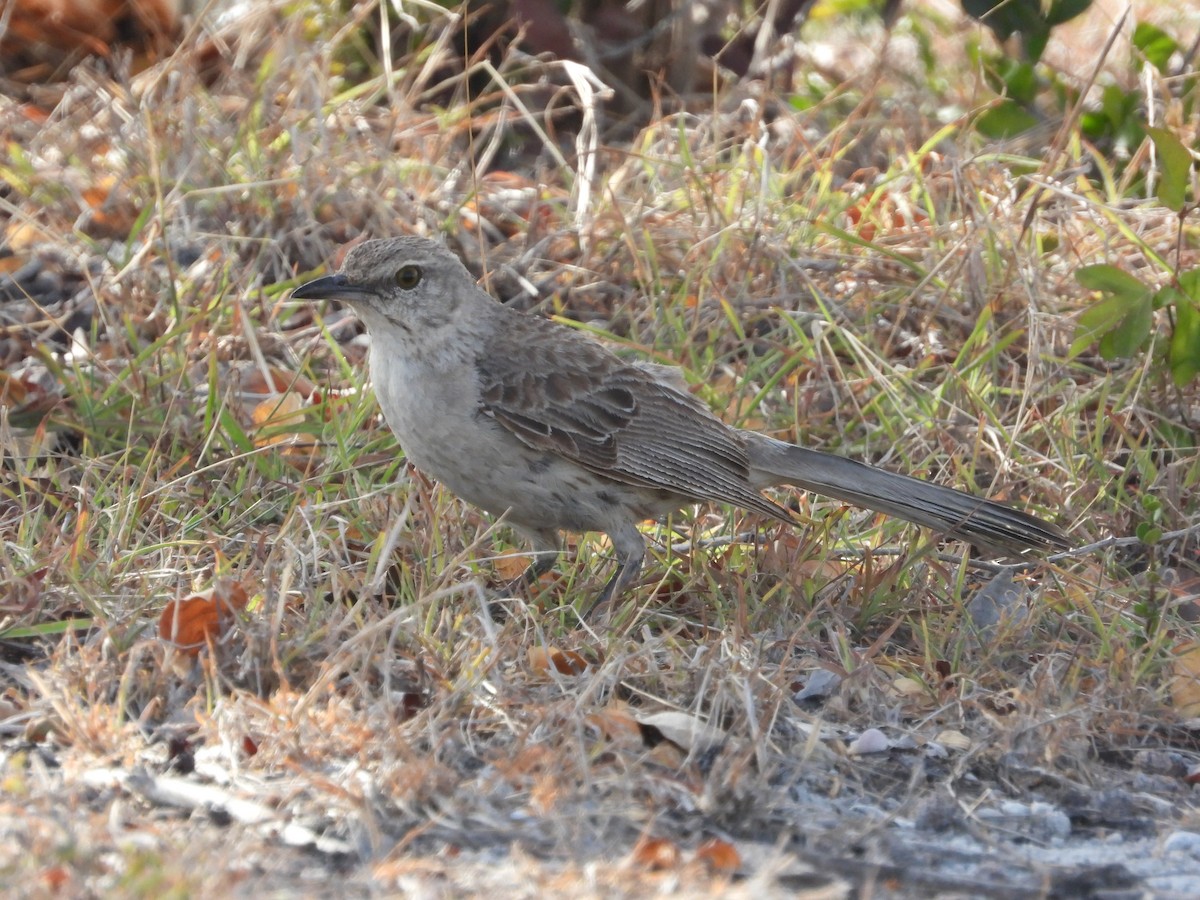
[[520, 415]]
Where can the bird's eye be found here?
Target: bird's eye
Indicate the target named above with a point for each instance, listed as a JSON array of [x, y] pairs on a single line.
[[408, 277]]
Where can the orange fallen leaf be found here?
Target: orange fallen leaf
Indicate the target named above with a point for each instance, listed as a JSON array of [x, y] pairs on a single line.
[[56, 878], [511, 566], [278, 421], [97, 194], [277, 381], [616, 724], [46, 33], [667, 755], [22, 236], [192, 622], [565, 662], [12, 390], [33, 113], [656, 853], [719, 855], [278, 411]]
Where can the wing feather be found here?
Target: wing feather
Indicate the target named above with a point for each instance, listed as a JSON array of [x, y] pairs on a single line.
[[560, 392]]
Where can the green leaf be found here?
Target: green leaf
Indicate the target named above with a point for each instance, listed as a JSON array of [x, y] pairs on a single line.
[[1005, 119], [1148, 534], [1111, 280], [1125, 340], [45, 629], [1155, 44], [1121, 319], [1094, 124], [1036, 37], [1019, 78], [1097, 320], [1175, 166], [1064, 10], [236, 434], [1119, 106], [1183, 354], [1189, 283]]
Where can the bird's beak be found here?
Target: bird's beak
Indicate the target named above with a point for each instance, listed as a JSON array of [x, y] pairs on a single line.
[[331, 287]]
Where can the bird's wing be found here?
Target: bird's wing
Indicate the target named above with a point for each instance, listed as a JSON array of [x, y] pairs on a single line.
[[562, 393]]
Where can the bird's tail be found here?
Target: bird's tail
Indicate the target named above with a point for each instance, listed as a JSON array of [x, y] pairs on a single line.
[[961, 515]]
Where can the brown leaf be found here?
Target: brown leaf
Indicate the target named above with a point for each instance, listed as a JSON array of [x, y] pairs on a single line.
[[277, 416], [511, 566], [192, 622], [1185, 679], [667, 755], [12, 390], [277, 381], [656, 853], [22, 236], [565, 662], [684, 730], [616, 724], [56, 878], [51, 32], [721, 856], [278, 411]]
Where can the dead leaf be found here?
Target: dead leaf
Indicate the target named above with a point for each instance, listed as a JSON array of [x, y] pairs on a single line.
[[615, 724], [278, 411], [656, 853], [667, 755], [278, 422], [47, 33], [684, 730], [821, 684], [277, 381], [908, 687], [22, 236], [511, 566], [953, 739], [870, 741], [189, 624], [718, 855], [56, 878], [110, 211], [1185, 679], [13, 392], [565, 662]]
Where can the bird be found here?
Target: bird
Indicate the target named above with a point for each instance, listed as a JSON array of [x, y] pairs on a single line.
[[528, 418]]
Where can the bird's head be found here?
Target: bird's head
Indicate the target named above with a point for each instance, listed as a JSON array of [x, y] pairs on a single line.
[[409, 283]]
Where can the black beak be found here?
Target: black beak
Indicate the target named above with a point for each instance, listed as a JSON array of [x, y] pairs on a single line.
[[331, 287]]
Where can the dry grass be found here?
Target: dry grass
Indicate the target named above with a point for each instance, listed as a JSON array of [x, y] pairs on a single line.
[[857, 276]]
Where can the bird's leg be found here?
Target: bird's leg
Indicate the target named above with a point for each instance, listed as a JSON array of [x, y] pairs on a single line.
[[545, 554], [544, 557], [630, 547]]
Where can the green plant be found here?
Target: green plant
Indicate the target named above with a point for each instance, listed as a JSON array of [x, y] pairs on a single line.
[[1030, 20], [1123, 318]]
